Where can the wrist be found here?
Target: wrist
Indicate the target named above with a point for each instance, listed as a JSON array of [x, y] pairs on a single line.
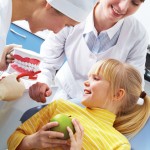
[[26, 143]]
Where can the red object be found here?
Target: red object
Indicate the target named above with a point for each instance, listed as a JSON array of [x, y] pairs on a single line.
[[31, 75], [26, 59]]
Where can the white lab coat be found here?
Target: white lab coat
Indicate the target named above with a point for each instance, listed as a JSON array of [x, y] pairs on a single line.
[[5, 20], [69, 44]]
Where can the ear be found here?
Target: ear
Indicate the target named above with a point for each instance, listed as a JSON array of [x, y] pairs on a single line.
[[119, 95]]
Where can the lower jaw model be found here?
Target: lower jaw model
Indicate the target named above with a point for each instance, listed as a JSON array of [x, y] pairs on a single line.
[[26, 62]]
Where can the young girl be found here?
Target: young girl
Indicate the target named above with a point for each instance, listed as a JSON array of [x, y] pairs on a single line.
[[110, 99]]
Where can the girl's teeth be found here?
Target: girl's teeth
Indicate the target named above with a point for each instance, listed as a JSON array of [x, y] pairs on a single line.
[[87, 92]]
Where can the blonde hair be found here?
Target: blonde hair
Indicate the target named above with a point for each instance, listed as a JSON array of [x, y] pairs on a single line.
[[131, 117]]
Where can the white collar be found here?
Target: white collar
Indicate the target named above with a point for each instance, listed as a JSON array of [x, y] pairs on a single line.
[[89, 27]]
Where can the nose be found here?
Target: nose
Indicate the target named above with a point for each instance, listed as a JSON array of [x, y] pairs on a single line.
[[124, 5], [86, 83]]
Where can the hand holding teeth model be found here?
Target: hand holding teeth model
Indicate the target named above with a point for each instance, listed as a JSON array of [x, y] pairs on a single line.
[[11, 88], [26, 63]]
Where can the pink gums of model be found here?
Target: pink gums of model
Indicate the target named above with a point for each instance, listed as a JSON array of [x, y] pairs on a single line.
[[26, 62]]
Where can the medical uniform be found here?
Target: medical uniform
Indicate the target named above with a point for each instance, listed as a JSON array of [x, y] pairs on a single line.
[[5, 20], [69, 44]]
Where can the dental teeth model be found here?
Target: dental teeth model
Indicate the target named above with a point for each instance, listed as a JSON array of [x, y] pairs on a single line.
[[25, 61]]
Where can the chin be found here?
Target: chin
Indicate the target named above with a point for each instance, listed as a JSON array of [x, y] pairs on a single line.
[[84, 98], [33, 29], [84, 101]]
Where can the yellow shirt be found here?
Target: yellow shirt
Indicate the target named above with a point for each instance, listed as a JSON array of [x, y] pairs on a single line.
[[99, 133]]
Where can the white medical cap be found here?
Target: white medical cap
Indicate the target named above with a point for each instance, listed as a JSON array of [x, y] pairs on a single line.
[[77, 10]]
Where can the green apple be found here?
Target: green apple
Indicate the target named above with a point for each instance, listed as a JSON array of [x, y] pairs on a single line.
[[63, 121]]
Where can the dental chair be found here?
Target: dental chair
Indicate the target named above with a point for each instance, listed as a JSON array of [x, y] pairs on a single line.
[[30, 112], [142, 140]]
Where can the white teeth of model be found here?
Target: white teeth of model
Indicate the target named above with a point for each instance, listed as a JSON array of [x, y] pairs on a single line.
[[23, 63], [116, 11], [19, 65], [29, 69], [19, 62], [30, 65], [34, 70], [33, 66], [27, 66]]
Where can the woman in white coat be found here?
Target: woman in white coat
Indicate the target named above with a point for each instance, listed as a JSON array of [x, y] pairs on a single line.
[[109, 32], [40, 14]]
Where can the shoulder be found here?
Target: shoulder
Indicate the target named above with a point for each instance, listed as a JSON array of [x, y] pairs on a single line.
[[122, 139], [131, 23], [134, 28]]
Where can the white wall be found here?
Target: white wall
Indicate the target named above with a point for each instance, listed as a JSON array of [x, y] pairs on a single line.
[[143, 15]]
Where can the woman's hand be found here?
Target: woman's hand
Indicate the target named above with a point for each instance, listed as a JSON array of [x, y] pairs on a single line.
[[44, 138], [39, 92], [11, 88], [76, 140], [7, 56]]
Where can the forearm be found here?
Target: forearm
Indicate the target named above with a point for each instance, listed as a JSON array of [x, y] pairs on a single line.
[[46, 76], [26, 144], [52, 52], [15, 140]]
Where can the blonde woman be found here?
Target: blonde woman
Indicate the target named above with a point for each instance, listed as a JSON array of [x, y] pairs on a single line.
[[111, 112]]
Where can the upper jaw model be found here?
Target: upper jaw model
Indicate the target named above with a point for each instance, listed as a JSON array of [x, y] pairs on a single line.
[[26, 62]]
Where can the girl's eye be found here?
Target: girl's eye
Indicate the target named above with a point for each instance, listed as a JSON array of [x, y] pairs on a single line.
[[96, 78], [136, 3]]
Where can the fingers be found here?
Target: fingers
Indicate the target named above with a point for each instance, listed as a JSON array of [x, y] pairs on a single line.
[[60, 144], [49, 125], [6, 57], [76, 141], [48, 92], [11, 46], [9, 52], [54, 143], [39, 92], [71, 134], [9, 49], [45, 138], [9, 58], [52, 134], [78, 128], [65, 147]]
